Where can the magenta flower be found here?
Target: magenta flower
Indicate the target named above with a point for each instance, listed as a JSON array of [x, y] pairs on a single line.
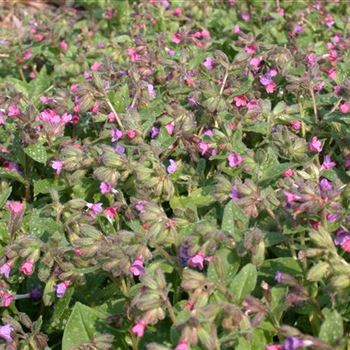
[[270, 88], [315, 145], [5, 269], [240, 101], [197, 261], [332, 73], [347, 163], [94, 209], [96, 66], [61, 288], [116, 134], [110, 213], [170, 128], [133, 55], [288, 173], [105, 188], [311, 59], [343, 239], [27, 54], [57, 165], [6, 298], [295, 125], [14, 111], [171, 167], [182, 345], [236, 29], [176, 38], [274, 347], [325, 185], [255, 62], [208, 63], [111, 118], [63, 45], [27, 268], [5, 333], [137, 268], [16, 208], [140, 206], [345, 107], [234, 159], [291, 197], [139, 328], [327, 163]]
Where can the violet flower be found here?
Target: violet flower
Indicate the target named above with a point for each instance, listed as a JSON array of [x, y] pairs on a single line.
[[5, 333], [234, 159]]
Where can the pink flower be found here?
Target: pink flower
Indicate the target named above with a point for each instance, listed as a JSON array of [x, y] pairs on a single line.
[[39, 37], [253, 106], [57, 165], [61, 288], [14, 111], [234, 159], [176, 38], [245, 16], [16, 208], [291, 197], [274, 347], [105, 187], [110, 213], [5, 269], [250, 49], [177, 12], [280, 11], [315, 145], [111, 118], [150, 90], [11, 166], [295, 125], [95, 108], [208, 63], [327, 163], [203, 148], [5, 333], [345, 107], [74, 87], [139, 328], [94, 209], [172, 166], [197, 261], [240, 101], [27, 267], [270, 88], [236, 29], [133, 55], [165, 3], [182, 345], [96, 66], [288, 173], [255, 62], [170, 128], [63, 45], [332, 73], [131, 134], [347, 163], [6, 298], [27, 54], [137, 268], [311, 59]]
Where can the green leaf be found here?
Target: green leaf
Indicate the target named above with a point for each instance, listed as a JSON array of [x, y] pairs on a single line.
[[39, 84], [12, 175], [332, 328], [224, 266], [83, 325], [43, 186], [37, 152], [233, 214], [4, 196], [244, 282], [287, 265]]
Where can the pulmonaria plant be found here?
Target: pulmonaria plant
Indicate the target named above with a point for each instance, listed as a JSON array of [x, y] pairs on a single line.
[[175, 175]]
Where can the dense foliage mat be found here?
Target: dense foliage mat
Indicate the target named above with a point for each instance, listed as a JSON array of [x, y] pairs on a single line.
[[175, 175]]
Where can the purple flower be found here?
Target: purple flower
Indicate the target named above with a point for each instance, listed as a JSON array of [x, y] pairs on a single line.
[[315, 145], [298, 29], [327, 163], [278, 277], [116, 134], [332, 217], [291, 197], [36, 294], [293, 343], [172, 167], [184, 253], [234, 194], [5, 333], [137, 268], [342, 237], [234, 159], [208, 63], [120, 149], [154, 132], [5, 269], [57, 165], [325, 185], [94, 209], [14, 111], [208, 133], [61, 288], [105, 187], [140, 206], [150, 90]]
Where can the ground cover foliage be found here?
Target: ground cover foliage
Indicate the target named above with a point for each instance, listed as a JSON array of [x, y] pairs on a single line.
[[175, 175]]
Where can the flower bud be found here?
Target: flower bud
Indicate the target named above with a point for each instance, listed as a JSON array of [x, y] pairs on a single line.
[[340, 282], [318, 271]]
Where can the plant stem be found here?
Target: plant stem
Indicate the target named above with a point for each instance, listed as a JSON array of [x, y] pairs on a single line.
[[314, 103], [115, 112]]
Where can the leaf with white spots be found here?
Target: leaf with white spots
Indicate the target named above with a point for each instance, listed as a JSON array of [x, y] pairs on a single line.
[[37, 152]]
